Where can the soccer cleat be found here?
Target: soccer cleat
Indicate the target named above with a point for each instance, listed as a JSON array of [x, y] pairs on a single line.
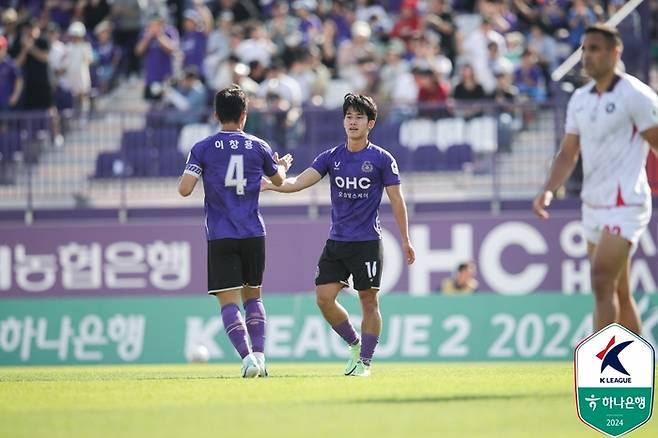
[[262, 368], [355, 352], [361, 370], [250, 367]]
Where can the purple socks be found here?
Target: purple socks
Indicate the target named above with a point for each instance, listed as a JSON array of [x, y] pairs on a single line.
[[368, 344], [255, 318], [235, 329], [347, 332]]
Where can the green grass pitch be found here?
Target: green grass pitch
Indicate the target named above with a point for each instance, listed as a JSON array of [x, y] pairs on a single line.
[[298, 400]]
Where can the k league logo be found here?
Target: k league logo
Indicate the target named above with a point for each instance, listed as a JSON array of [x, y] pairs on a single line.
[[614, 380]]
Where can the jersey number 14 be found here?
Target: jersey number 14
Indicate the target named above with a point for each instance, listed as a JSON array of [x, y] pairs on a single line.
[[235, 174]]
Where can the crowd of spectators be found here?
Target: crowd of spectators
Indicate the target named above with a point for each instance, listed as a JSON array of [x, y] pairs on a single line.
[[62, 53]]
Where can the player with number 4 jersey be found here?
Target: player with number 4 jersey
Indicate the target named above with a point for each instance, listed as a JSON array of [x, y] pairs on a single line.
[[231, 164], [359, 173]]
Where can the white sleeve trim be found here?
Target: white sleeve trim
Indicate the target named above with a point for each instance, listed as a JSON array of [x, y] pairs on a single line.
[[194, 174]]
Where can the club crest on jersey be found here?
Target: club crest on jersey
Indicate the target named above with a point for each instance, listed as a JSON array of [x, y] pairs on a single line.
[[336, 165], [367, 167], [609, 108]]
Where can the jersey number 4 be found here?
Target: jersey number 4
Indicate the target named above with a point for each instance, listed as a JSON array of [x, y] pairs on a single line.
[[235, 174]]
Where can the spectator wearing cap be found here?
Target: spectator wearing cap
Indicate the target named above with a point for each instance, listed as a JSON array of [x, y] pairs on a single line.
[[107, 55], [79, 56], [10, 31], [351, 51], [408, 23], [309, 24], [11, 79], [194, 41], [157, 46]]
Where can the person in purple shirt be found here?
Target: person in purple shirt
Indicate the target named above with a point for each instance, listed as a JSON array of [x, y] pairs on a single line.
[[157, 46], [194, 40], [11, 79], [359, 173], [232, 164]]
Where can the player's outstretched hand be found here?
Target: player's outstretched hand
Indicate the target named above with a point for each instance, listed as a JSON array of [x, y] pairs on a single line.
[[409, 252], [285, 161], [541, 202]]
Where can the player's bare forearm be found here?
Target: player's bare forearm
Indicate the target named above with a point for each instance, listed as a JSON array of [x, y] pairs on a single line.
[[186, 184], [562, 166], [294, 184], [401, 218], [564, 163]]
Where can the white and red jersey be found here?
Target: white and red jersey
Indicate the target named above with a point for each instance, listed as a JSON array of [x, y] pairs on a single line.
[[613, 152]]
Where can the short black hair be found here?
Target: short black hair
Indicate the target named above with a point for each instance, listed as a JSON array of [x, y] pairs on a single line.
[[360, 103], [230, 103], [463, 266], [611, 35]]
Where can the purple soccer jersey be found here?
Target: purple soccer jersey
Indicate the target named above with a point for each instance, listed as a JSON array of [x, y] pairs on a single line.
[[231, 164], [157, 62], [357, 183], [193, 45], [9, 73]]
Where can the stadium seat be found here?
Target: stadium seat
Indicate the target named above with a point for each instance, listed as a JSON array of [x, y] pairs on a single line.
[[190, 134], [171, 162], [141, 161], [134, 140], [386, 134], [165, 137], [458, 155], [427, 158], [109, 165], [10, 144], [417, 132], [482, 133], [449, 132]]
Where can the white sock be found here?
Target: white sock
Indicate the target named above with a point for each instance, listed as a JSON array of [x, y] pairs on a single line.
[[260, 357]]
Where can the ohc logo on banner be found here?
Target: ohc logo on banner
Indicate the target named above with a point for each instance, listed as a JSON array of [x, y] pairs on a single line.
[[614, 380]]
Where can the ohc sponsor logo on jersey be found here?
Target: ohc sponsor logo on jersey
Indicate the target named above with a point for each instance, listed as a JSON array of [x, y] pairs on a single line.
[[352, 182], [614, 380]]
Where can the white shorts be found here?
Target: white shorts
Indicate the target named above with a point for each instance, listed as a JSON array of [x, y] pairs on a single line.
[[627, 222]]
